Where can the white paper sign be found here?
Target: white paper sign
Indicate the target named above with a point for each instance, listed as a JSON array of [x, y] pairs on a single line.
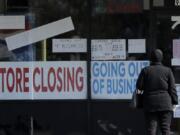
[[136, 46], [108, 49], [69, 45], [176, 48], [175, 62], [43, 80], [12, 22], [39, 33]]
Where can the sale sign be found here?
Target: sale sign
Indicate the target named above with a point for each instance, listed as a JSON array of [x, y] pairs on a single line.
[[43, 80]]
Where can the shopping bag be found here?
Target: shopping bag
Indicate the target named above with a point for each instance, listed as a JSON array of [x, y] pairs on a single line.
[[137, 99]]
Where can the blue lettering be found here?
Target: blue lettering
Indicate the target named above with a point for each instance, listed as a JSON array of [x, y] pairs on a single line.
[[115, 86], [103, 69], [121, 86], [134, 86], [131, 69], [129, 86], [95, 86], [121, 69], [114, 71], [95, 69], [109, 89], [101, 85]]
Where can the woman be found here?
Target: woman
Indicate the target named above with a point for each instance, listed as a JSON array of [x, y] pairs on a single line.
[[159, 94]]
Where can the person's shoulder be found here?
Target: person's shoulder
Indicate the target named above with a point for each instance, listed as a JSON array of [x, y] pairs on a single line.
[[147, 67], [167, 69]]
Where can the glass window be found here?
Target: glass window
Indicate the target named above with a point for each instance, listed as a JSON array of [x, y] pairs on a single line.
[[51, 117], [118, 19], [165, 36]]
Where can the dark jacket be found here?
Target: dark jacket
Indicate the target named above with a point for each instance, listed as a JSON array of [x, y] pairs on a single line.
[[158, 84]]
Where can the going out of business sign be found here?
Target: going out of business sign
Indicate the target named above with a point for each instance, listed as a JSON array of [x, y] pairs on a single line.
[[43, 80], [114, 79]]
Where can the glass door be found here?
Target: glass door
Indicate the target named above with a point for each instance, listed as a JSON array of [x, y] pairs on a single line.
[[167, 38]]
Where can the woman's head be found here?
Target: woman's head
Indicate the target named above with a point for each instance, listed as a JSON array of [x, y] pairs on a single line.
[[156, 56]]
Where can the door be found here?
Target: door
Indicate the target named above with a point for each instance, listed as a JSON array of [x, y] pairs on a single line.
[[167, 38]]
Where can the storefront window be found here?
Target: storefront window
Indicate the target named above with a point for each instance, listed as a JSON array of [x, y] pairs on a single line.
[[59, 57], [167, 39], [121, 24], [34, 53]]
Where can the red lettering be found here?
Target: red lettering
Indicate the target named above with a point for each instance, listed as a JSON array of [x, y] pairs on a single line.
[[60, 79], [44, 88], [59, 87], [26, 79], [36, 87], [79, 79], [64, 79], [18, 79], [124, 8], [51, 72], [10, 72], [70, 79], [2, 71]]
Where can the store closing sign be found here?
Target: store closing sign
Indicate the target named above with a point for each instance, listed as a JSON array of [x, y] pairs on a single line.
[[115, 79], [43, 80]]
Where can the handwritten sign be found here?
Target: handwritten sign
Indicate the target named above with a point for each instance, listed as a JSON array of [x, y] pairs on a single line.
[[108, 49], [176, 48], [69, 45]]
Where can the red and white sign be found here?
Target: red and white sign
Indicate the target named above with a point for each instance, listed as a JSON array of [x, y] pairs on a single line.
[[43, 80]]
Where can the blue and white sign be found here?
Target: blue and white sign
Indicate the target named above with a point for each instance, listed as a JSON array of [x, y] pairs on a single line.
[[114, 79]]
